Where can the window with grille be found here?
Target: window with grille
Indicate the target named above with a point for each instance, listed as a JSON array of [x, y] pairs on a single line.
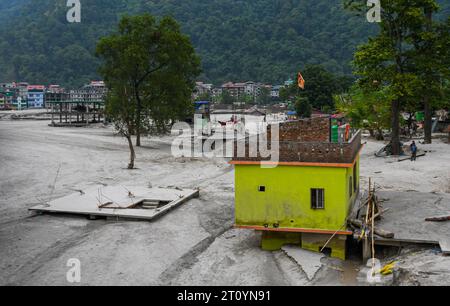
[[318, 198]]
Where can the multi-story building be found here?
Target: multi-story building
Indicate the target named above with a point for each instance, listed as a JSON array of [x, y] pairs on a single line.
[[236, 90], [55, 89], [2, 100], [9, 91], [15, 95], [93, 92], [21, 101], [250, 88], [216, 91], [35, 96], [275, 91], [202, 89]]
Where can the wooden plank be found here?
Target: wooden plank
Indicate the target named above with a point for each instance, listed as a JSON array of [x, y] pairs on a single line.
[[438, 219], [378, 231]]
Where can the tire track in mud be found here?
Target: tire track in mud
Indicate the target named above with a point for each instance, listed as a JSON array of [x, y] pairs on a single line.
[[190, 258], [187, 260], [30, 267]]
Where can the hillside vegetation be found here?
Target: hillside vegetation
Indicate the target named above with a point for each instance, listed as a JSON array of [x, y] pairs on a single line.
[[264, 40]]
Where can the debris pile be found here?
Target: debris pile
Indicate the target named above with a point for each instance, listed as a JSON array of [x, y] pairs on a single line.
[[365, 222]]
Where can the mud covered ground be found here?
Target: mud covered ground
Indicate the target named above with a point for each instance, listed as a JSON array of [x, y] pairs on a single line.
[[193, 245]]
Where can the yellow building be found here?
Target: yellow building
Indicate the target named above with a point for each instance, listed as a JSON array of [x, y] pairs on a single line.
[[306, 198]]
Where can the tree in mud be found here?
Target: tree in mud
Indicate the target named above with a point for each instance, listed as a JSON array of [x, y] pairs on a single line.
[[432, 65], [391, 61], [121, 109], [303, 108], [368, 110], [158, 62], [154, 66]]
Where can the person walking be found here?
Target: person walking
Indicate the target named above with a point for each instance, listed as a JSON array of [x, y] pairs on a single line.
[[413, 147]]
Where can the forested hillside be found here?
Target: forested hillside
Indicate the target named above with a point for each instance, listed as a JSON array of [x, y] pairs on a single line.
[[264, 40]]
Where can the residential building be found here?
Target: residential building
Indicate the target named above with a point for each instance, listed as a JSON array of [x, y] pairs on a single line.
[[202, 89], [275, 91], [236, 90], [22, 99], [216, 91], [250, 88], [95, 91], [10, 93], [35, 96], [288, 82], [2, 100], [305, 197], [55, 89]]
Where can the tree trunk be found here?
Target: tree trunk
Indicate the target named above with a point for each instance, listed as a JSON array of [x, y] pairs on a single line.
[[380, 135], [138, 125], [428, 126], [410, 123], [132, 153], [138, 116], [395, 126]]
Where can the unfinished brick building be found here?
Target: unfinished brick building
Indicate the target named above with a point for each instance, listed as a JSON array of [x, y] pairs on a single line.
[[306, 198]]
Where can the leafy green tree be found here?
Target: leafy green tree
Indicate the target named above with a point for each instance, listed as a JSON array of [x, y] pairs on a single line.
[[303, 108], [432, 65], [320, 86], [156, 60], [263, 40], [227, 98], [343, 83], [247, 99], [386, 62], [264, 97], [204, 97], [286, 93], [153, 66], [368, 110]]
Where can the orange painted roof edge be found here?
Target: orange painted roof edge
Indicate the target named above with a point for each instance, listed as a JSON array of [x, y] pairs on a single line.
[[306, 164], [293, 230]]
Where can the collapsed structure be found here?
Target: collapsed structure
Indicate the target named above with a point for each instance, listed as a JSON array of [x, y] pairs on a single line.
[[77, 107], [306, 199]]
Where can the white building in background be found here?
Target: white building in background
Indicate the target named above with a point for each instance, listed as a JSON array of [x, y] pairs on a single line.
[[250, 88], [93, 92], [275, 91]]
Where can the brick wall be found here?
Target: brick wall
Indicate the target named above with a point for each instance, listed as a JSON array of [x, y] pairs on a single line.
[[316, 129], [319, 152]]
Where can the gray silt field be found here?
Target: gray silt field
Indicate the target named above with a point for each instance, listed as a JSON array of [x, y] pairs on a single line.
[[194, 244]]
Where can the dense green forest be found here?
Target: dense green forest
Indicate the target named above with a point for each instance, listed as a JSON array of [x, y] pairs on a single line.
[[263, 40]]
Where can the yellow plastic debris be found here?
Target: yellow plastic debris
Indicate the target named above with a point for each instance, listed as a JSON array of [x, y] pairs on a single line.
[[388, 269]]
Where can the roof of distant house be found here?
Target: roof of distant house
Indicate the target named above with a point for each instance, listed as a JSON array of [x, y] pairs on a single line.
[[35, 87]]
